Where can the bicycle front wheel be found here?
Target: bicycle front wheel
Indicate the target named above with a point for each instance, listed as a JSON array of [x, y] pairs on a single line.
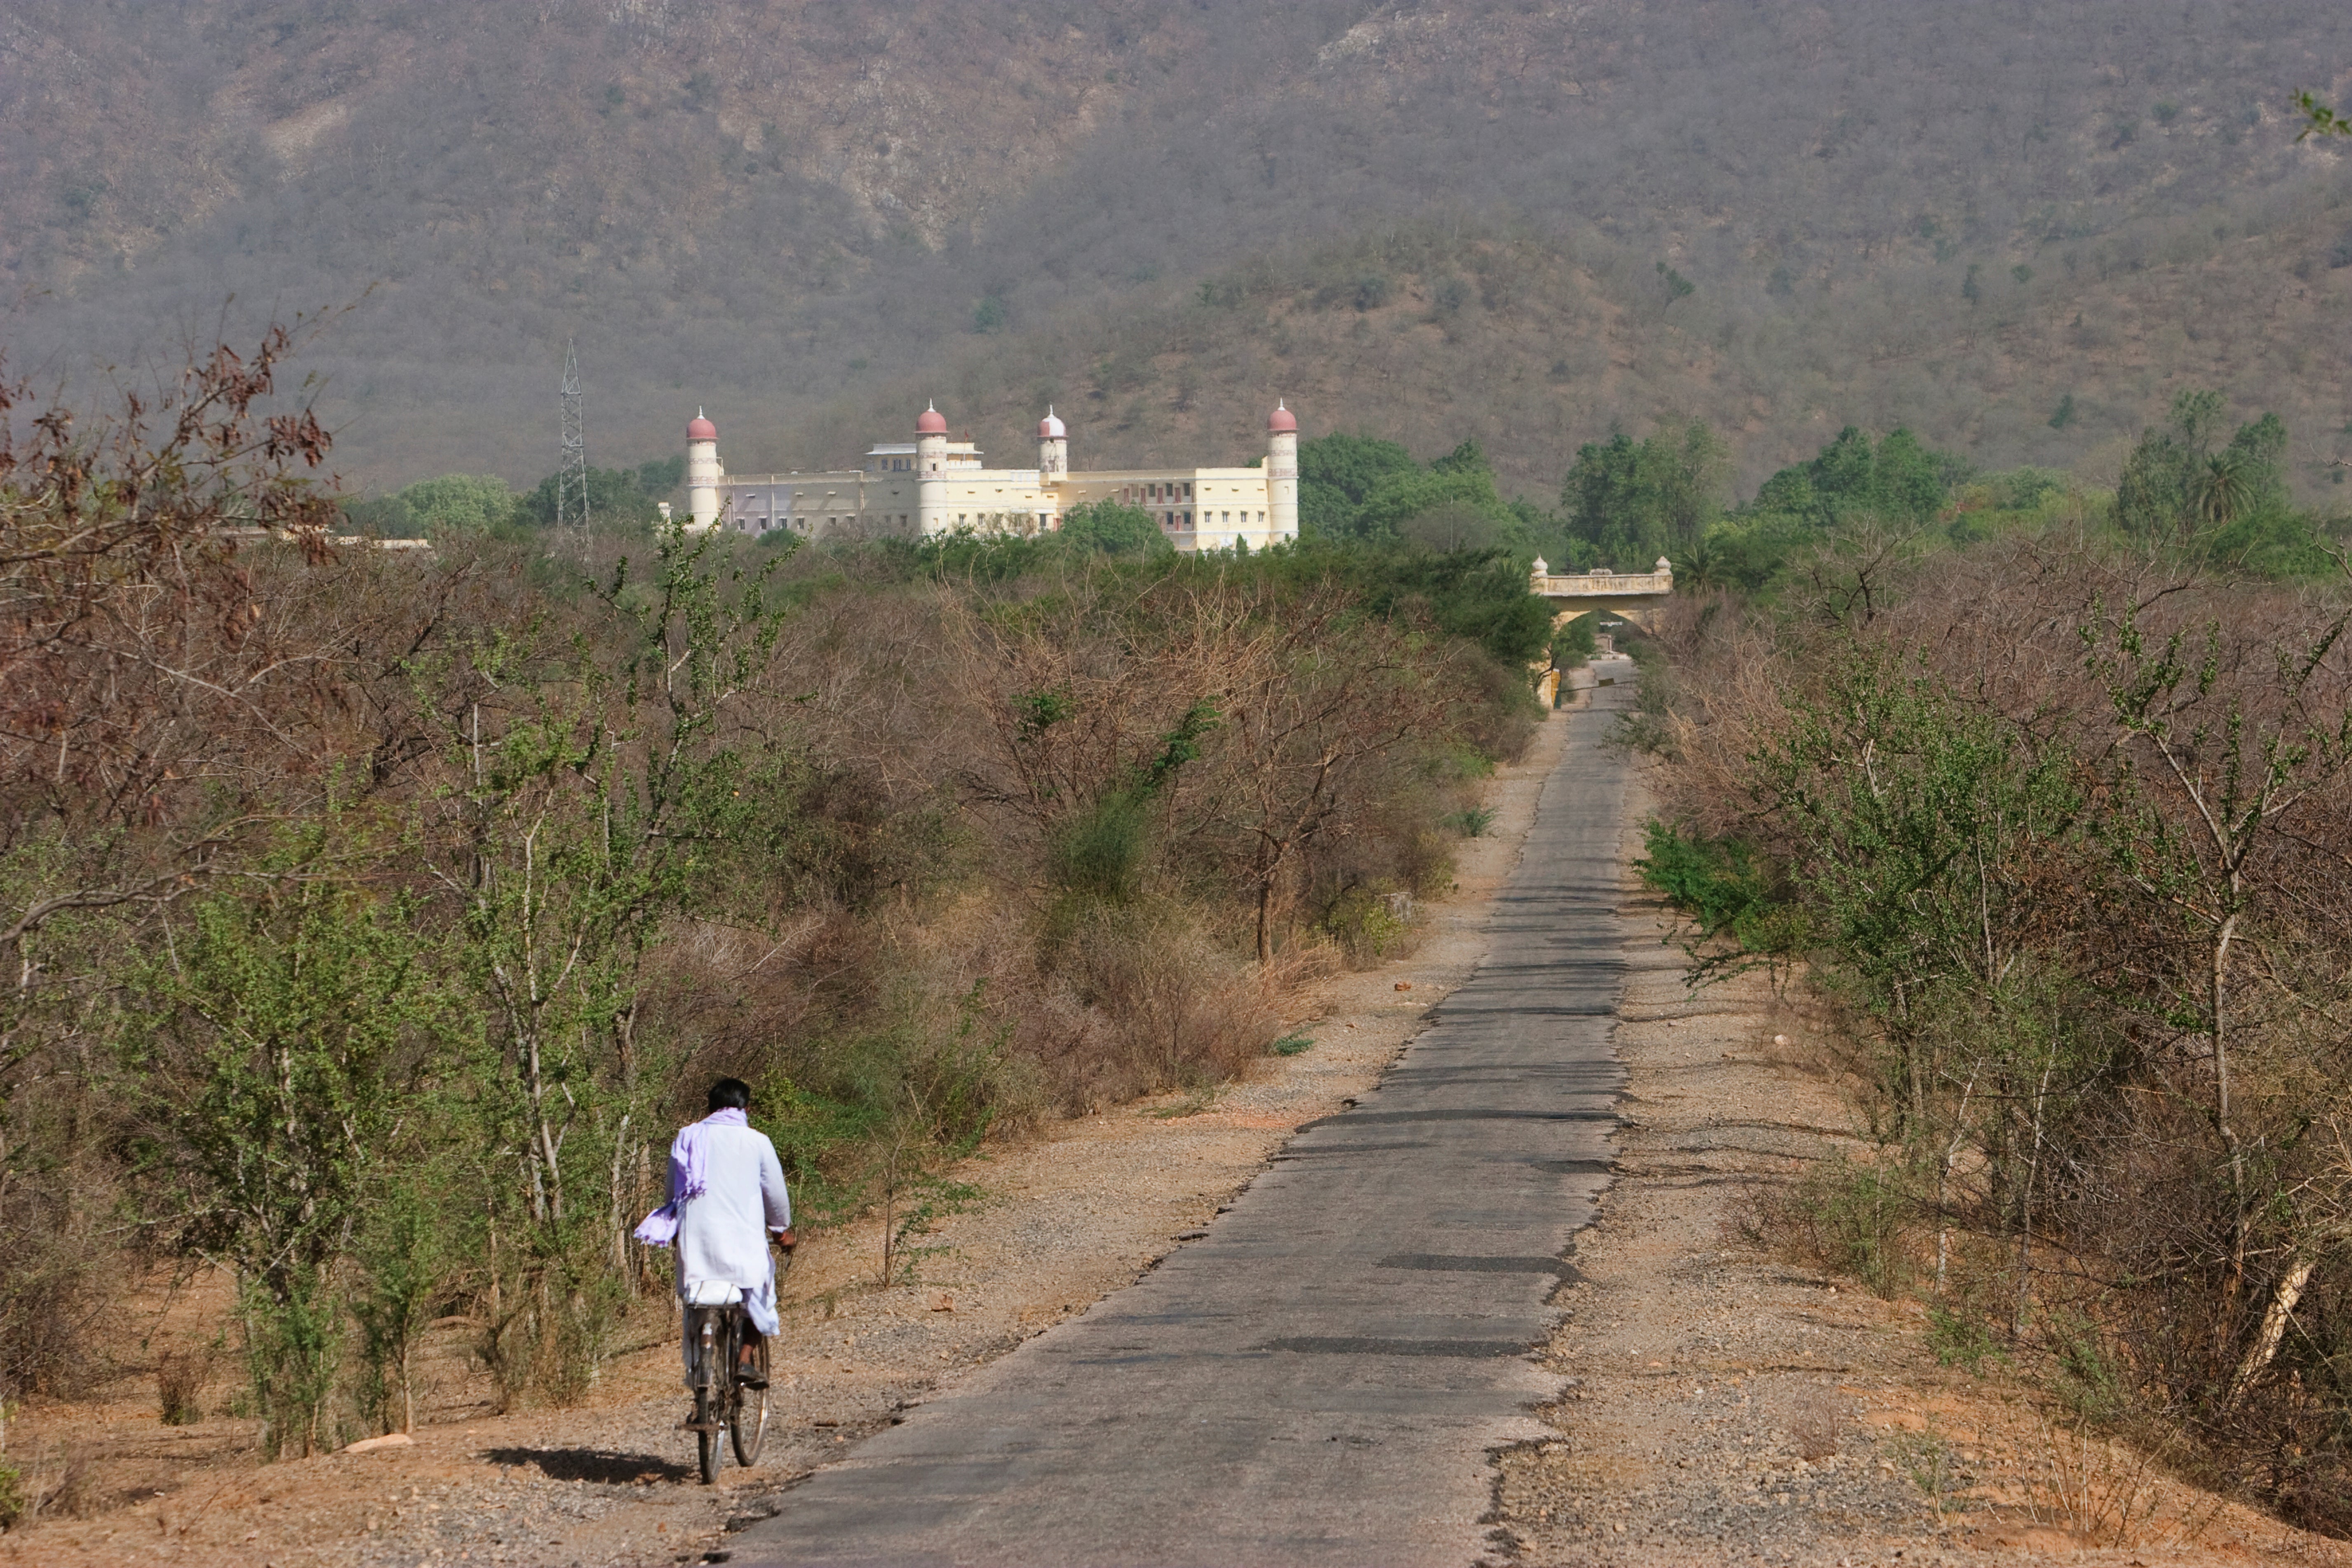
[[747, 1426]]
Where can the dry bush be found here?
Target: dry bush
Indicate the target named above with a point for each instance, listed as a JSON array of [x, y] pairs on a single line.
[[64, 1485], [180, 1379], [187, 670], [1816, 1426], [1177, 1012], [941, 856], [58, 1269], [1729, 694], [1044, 793], [1499, 721], [2102, 1492]]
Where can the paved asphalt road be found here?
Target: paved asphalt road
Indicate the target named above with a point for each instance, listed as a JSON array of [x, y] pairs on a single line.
[[1320, 1379]]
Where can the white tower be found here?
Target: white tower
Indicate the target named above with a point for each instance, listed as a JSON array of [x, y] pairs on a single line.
[[1053, 448], [703, 472], [930, 471], [1282, 474]]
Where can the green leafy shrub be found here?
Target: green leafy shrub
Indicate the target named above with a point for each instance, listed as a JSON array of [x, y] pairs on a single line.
[[1726, 887], [293, 1349], [1367, 922], [1962, 1338], [459, 503], [1100, 853], [1111, 529], [2091, 1380], [1572, 646], [1854, 1219]]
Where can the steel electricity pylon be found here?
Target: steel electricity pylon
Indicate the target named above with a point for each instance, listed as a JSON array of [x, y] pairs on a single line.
[[571, 472]]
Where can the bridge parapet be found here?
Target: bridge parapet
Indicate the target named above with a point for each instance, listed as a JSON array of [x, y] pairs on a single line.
[[1603, 583]]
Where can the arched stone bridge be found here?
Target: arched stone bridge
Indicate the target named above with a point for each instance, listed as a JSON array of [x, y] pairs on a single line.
[[1635, 595]]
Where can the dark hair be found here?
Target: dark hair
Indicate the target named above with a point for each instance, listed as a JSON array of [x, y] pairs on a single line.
[[730, 1094]]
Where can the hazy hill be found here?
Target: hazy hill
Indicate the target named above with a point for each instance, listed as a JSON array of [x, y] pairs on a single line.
[[1431, 221]]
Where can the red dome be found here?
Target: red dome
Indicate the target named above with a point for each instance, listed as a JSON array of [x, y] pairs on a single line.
[[700, 430], [1282, 420], [1050, 428], [931, 421]]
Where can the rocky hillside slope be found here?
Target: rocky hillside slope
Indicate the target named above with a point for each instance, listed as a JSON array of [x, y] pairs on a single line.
[[1510, 218]]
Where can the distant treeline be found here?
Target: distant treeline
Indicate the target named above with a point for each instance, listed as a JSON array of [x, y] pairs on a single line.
[[1626, 503]]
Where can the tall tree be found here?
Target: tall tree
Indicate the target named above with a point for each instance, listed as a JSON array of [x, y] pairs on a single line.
[[1897, 478], [1336, 473], [2175, 487], [1638, 500]]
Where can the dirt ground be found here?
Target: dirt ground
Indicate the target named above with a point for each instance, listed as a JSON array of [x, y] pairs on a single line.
[[1723, 1405], [1067, 1219]]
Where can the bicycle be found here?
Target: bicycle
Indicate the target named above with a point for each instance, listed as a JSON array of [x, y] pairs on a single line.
[[723, 1402]]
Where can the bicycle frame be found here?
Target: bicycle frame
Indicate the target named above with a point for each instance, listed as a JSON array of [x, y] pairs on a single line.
[[718, 1338]]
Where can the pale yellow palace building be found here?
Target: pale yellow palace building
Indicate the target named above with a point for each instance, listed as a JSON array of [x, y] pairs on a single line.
[[932, 485]]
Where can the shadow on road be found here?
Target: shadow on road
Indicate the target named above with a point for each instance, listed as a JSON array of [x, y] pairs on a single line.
[[602, 1465]]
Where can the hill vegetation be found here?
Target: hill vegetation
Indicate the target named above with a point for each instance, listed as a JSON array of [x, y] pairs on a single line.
[[1499, 221]]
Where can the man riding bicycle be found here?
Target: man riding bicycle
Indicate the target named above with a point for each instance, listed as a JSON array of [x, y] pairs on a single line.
[[726, 1198]]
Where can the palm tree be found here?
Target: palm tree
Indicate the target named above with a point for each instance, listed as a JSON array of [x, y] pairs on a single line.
[[1700, 566], [2220, 491]]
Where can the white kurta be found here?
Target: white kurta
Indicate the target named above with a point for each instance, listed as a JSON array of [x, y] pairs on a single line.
[[723, 1233]]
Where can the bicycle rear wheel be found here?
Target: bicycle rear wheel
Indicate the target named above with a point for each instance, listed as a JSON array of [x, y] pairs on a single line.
[[707, 1452], [712, 1385], [747, 1423]]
